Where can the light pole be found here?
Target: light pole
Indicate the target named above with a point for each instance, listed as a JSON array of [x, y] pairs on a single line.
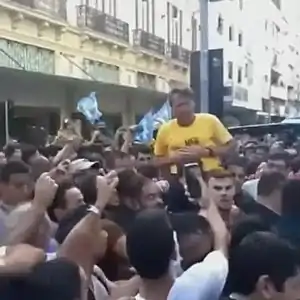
[[204, 50]]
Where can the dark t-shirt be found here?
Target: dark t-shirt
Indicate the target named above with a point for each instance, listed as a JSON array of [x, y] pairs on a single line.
[[176, 200], [121, 215], [268, 216]]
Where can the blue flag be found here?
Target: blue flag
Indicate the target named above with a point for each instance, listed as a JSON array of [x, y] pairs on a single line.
[[145, 134], [88, 106], [164, 114]]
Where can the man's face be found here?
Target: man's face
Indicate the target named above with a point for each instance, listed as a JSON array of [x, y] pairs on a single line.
[[222, 191], [181, 106], [74, 198], [143, 156], [261, 153], [151, 195], [239, 175], [277, 166], [17, 189]]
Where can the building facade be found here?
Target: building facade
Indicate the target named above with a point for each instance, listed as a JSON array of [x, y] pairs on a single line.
[[53, 52], [260, 43]]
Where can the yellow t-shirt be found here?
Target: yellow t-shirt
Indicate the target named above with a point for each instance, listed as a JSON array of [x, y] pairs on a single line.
[[206, 130]]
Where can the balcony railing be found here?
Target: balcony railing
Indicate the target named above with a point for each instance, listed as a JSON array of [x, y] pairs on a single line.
[[240, 93], [279, 92], [235, 92], [181, 54], [149, 41], [100, 22], [56, 8], [86, 16], [146, 81]]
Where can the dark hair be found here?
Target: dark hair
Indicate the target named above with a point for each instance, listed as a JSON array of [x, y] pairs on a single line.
[[49, 151], [238, 161], [59, 200], [252, 166], [10, 149], [130, 184], [69, 221], [270, 182], [290, 198], [57, 279], [149, 171], [242, 228], [185, 93], [263, 147], [285, 156], [246, 226], [86, 182], [258, 254], [140, 148], [218, 174], [188, 223], [150, 244], [27, 152], [13, 167]]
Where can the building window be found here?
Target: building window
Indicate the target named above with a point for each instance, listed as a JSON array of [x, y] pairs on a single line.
[[230, 70], [241, 4], [175, 25], [249, 72], [230, 33], [220, 24], [194, 33], [145, 15], [240, 75], [108, 6], [277, 3], [144, 10], [240, 39]]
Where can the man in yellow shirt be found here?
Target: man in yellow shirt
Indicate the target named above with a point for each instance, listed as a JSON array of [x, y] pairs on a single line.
[[191, 136]]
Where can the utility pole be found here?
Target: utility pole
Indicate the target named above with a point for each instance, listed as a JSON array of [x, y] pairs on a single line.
[[204, 51]]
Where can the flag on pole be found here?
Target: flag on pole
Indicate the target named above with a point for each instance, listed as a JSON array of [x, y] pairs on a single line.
[[163, 115], [88, 106], [145, 129]]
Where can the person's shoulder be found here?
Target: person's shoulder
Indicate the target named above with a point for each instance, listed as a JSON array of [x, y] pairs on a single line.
[[206, 117], [250, 182], [169, 124]]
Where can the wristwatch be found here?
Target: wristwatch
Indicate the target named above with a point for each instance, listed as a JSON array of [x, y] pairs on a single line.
[[93, 209]]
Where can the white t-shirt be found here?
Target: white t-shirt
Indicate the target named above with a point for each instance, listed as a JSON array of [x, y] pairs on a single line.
[[250, 187], [202, 281]]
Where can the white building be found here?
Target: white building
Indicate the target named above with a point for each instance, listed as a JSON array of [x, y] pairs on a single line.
[[170, 20], [261, 53]]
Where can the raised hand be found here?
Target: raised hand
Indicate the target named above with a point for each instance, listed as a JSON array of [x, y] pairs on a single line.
[[105, 188], [45, 189]]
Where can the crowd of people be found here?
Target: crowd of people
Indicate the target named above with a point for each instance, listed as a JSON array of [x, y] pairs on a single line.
[[193, 216]]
